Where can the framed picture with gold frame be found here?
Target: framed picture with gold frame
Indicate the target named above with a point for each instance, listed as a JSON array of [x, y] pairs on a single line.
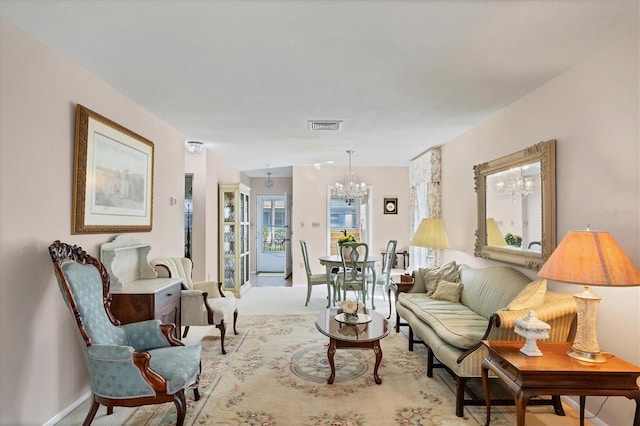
[[390, 206], [113, 177]]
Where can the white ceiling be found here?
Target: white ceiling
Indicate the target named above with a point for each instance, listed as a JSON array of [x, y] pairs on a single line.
[[245, 76]]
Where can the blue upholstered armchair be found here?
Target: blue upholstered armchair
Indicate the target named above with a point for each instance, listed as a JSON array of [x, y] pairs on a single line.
[[129, 365]]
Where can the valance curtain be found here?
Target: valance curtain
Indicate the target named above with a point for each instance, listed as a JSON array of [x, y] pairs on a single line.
[[426, 201]]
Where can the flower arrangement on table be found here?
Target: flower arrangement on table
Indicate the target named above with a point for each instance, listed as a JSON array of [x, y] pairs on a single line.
[[346, 238]]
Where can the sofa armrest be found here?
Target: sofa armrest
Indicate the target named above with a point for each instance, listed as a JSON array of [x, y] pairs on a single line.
[[418, 282], [559, 310], [556, 306]]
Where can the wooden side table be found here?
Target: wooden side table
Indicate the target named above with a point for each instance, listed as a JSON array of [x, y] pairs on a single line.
[[556, 373], [398, 284]]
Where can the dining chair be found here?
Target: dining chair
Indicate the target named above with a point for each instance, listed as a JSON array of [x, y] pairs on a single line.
[[353, 275], [313, 279], [383, 279]]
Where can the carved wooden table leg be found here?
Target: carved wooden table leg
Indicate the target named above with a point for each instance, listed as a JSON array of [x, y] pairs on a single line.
[[485, 390], [378, 351], [353, 336], [522, 399], [330, 353]]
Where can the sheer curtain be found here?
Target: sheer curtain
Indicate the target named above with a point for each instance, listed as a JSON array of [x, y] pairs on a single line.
[[426, 201], [364, 219]]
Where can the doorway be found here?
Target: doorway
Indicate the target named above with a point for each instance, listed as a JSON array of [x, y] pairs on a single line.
[[273, 234], [188, 214]]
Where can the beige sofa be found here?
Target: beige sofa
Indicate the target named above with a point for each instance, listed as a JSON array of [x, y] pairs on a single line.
[[452, 330]]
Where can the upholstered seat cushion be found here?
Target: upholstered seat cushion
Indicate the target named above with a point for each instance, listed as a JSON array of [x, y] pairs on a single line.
[[452, 322], [318, 278], [178, 364], [223, 308]]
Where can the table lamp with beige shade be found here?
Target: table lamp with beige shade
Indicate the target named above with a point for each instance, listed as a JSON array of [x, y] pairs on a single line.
[[590, 258], [494, 235], [431, 234]]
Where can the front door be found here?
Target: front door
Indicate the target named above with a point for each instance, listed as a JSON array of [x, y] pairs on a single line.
[[272, 233]]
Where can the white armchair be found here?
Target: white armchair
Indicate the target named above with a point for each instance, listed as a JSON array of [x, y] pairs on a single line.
[[203, 302]]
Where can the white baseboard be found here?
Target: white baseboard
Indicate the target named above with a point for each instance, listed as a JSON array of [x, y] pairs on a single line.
[[61, 415], [587, 414]]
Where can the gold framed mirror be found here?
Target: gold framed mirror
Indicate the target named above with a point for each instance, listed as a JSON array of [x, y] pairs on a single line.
[[517, 206]]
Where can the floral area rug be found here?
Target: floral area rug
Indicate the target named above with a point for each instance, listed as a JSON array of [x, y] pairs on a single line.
[[275, 373]]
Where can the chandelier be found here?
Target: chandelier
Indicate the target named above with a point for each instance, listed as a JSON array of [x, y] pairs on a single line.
[[512, 184], [350, 187], [268, 183]]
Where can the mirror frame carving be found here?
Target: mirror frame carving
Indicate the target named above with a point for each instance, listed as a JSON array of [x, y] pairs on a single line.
[[545, 152]]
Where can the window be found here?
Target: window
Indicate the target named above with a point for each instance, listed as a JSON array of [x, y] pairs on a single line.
[[343, 215], [273, 226]]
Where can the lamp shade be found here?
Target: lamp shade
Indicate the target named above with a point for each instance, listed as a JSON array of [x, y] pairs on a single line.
[[590, 258], [494, 236], [431, 234]]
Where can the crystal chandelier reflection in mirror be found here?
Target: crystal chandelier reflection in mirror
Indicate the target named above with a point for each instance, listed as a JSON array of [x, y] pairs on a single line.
[[350, 187], [512, 184]]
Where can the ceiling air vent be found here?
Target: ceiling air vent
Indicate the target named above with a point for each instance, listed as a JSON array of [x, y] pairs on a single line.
[[324, 124]]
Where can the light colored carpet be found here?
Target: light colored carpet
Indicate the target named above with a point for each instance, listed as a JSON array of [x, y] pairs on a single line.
[[276, 368]]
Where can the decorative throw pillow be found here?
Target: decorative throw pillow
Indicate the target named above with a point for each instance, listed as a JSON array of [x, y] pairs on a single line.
[[430, 277], [431, 282], [419, 285], [529, 297], [448, 291], [449, 272]]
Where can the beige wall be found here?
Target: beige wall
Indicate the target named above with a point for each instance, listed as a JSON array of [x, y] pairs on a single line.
[[208, 170], [40, 356], [592, 111], [308, 187]]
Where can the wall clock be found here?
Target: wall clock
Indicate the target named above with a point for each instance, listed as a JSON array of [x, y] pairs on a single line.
[[390, 206]]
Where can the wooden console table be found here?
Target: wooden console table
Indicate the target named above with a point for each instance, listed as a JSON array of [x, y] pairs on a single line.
[[157, 298], [137, 294], [556, 373]]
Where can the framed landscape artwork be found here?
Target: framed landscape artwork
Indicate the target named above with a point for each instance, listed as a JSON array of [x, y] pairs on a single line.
[[113, 177]]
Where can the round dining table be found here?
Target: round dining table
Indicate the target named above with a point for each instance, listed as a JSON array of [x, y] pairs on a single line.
[[335, 261]]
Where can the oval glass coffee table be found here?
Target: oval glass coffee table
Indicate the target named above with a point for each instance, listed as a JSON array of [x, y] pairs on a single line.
[[344, 335]]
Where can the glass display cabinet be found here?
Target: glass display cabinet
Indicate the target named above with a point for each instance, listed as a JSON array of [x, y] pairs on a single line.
[[234, 236]]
